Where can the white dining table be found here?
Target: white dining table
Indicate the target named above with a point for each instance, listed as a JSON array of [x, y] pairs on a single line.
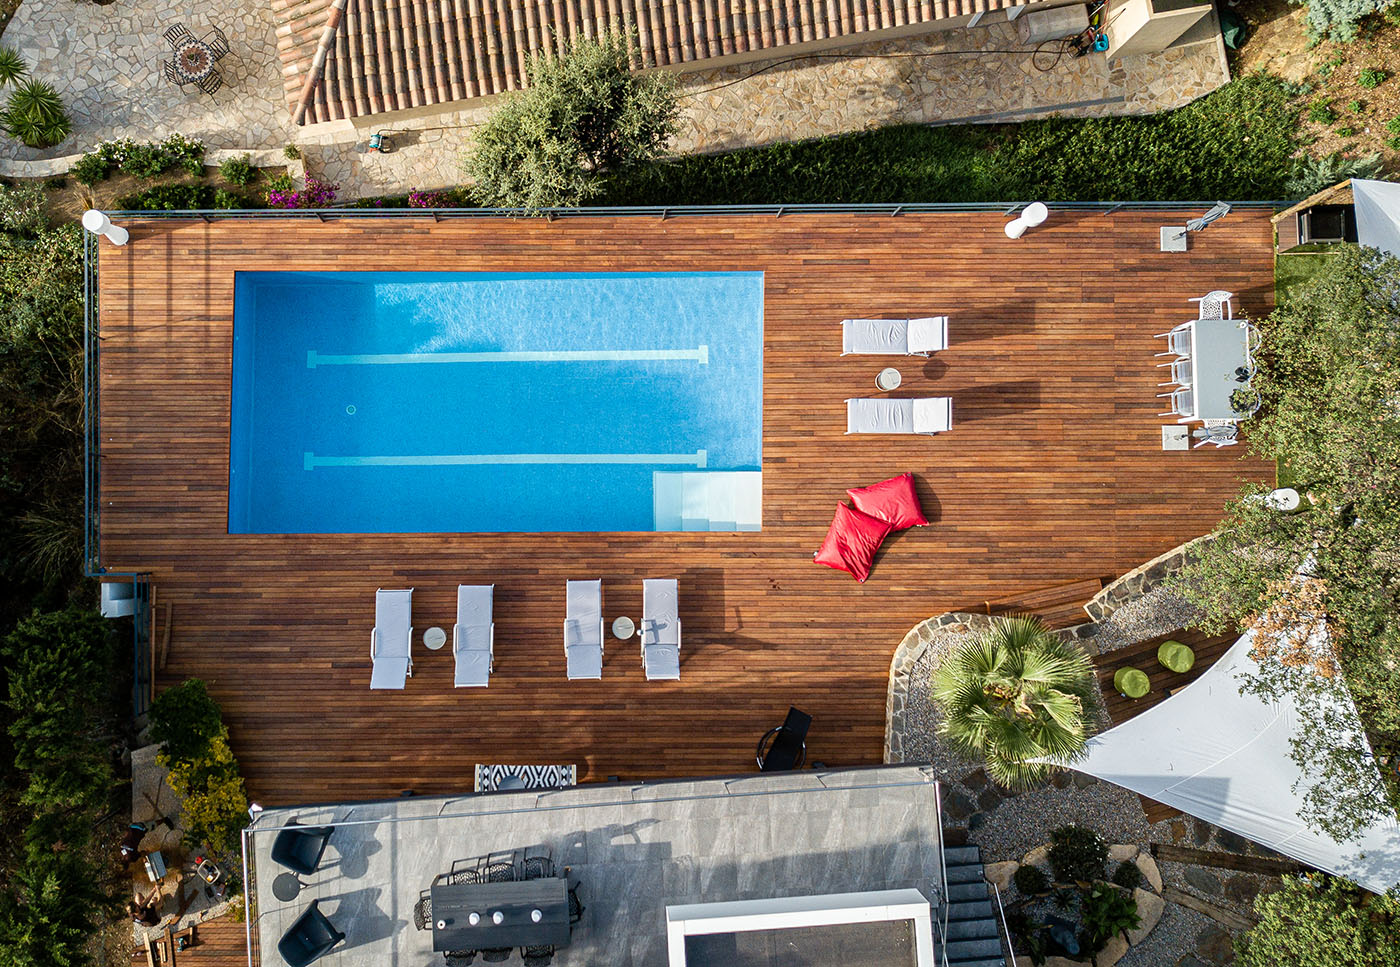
[[1219, 347]]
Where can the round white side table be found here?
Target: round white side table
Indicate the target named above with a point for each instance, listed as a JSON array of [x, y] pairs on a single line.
[[888, 379], [624, 628], [434, 638]]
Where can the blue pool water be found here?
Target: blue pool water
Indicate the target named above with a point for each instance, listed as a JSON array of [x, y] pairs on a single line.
[[461, 401]]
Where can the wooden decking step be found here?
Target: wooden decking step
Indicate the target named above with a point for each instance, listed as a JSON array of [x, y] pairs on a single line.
[[1058, 606], [1226, 861]]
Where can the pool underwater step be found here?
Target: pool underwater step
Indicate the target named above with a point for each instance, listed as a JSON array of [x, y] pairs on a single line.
[[700, 355], [310, 461], [716, 500]]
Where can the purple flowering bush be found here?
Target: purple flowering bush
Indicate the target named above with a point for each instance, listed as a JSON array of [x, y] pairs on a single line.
[[429, 199], [316, 194]]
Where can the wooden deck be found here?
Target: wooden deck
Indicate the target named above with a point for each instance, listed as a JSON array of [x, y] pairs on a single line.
[[1053, 473]]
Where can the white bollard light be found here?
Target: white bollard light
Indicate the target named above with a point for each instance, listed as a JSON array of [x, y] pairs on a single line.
[[99, 224], [1034, 214]]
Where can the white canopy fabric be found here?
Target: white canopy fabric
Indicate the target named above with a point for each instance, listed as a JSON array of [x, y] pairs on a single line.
[[1224, 757], [1377, 214]]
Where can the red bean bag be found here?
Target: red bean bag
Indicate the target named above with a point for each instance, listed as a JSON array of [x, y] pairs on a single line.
[[852, 541], [893, 500]]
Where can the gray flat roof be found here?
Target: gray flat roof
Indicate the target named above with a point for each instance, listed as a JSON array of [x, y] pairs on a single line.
[[632, 849]]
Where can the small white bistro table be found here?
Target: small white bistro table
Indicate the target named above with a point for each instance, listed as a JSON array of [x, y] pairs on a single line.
[[1219, 347], [624, 628], [888, 379], [434, 638]]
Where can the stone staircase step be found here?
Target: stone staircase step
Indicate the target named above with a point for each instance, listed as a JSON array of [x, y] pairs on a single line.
[[973, 929], [960, 951], [979, 962], [959, 855], [969, 910], [967, 891], [965, 873]]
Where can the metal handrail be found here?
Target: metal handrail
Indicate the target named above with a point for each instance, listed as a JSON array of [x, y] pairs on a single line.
[[1011, 953], [944, 900], [665, 212]]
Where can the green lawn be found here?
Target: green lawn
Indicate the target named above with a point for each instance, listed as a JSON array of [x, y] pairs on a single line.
[[1293, 269], [1235, 144]]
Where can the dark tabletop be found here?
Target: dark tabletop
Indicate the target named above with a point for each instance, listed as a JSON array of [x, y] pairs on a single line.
[[454, 902]]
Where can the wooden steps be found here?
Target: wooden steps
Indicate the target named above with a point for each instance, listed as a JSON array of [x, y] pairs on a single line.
[[390, 55], [1058, 606]]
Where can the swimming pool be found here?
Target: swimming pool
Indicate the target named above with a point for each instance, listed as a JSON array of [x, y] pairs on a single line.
[[373, 402]]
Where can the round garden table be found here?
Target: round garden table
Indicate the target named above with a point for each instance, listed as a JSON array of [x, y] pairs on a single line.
[[193, 61]]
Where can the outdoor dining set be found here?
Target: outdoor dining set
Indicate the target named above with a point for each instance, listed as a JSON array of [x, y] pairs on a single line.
[[193, 59], [1210, 361], [492, 904]]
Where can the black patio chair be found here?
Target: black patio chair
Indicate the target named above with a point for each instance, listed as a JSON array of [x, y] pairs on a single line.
[[459, 958], [299, 848], [211, 82], [536, 956], [176, 34], [467, 871], [423, 910], [168, 69], [496, 955], [218, 43], [789, 746], [575, 906], [537, 866], [309, 939]]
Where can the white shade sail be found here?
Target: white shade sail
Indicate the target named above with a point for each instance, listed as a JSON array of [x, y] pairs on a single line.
[[1377, 214], [1224, 757]]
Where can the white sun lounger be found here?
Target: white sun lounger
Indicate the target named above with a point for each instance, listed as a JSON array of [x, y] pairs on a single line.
[[661, 630], [583, 629], [391, 638], [894, 337], [934, 415], [473, 636]]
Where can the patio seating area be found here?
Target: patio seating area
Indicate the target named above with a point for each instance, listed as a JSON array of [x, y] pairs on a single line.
[[1054, 474]]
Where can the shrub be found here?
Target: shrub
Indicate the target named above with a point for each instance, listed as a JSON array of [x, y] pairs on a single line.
[[1106, 913], [430, 199], [49, 917], [238, 171], [22, 210], [1393, 125], [1077, 854], [12, 66], [1322, 921], [146, 159], [1031, 880], [581, 114], [1320, 112], [185, 720], [291, 152], [1128, 875], [1311, 175], [1371, 77], [1356, 107], [316, 194], [1015, 694], [215, 806], [92, 167], [1393, 143], [183, 197], [1345, 131], [1338, 20], [34, 113]]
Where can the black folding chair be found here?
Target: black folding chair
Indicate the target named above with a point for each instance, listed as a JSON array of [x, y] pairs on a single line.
[[300, 848], [309, 939], [218, 43], [211, 82], [176, 34], [423, 910], [789, 743], [536, 956]]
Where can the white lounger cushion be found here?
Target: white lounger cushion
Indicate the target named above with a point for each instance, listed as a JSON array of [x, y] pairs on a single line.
[[894, 337], [392, 638], [473, 636], [473, 666], [584, 661], [662, 661], [474, 604], [899, 415], [661, 623], [583, 628]]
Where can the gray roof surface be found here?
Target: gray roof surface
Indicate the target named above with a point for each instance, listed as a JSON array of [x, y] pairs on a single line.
[[632, 849]]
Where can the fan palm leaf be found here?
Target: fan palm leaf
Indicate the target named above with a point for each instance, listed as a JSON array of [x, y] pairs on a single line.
[[1014, 695]]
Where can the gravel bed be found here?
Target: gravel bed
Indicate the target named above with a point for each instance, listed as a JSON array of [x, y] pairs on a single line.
[[1175, 936], [922, 744], [1155, 613], [1018, 825]]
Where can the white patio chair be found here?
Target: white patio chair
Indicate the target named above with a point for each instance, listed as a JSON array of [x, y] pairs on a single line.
[[661, 629], [1178, 340], [583, 629], [391, 640], [1183, 403], [1215, 304], [474, 636], [1222, 433], [927, 416], [1180, 374], [894, 337]]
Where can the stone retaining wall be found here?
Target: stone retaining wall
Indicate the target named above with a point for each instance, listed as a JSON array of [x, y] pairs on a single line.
[[1139, 581], [910, 650]]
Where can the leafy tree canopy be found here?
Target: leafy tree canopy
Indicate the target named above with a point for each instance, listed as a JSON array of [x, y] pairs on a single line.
[[1322, 921], [582, 114], [1322, 588]]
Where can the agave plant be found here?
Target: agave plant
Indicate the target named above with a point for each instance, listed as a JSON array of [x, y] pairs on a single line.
[[1016, 694], [12, 66], [35, 115]]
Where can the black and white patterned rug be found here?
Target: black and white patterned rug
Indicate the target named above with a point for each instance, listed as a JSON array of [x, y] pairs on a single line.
[[488, 778]]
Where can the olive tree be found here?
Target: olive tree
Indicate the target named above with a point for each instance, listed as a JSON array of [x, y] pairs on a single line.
[[1322, 588], [582, 114], [1321, 921]]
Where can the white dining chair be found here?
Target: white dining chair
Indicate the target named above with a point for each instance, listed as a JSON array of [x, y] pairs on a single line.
[[1178, 340], [1215, 304], [1180, 373], [1182, 402]]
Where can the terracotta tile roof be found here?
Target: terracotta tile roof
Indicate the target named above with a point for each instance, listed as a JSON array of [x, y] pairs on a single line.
[[387, 55]]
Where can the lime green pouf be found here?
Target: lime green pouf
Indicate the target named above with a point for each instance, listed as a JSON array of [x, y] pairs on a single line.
[[1132, 682], [1175, 656]]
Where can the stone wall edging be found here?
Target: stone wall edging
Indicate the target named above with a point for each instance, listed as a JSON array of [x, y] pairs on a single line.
[[910, 650], [52, 167], [1140, 580]]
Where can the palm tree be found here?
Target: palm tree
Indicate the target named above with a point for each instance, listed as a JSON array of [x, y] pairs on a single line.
[[1015, 694]]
